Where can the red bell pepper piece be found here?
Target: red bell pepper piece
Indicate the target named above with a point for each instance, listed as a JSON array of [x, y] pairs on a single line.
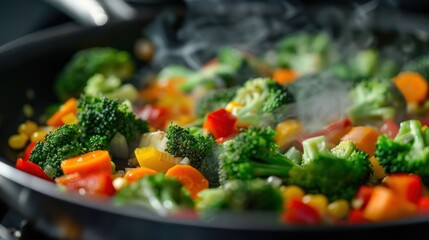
[[363, 195], [27, 151], [300, 213], [156, 116], [332, 132], [356, 216], [220, 123], [31, 168], [423, 204], [390, 128], [98, 183], [407, 185]]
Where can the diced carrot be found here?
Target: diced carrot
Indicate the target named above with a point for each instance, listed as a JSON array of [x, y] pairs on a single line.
[[70, 106], [409, 186], [95, 161], [384, 205], [284, 76], [137, 173], [190, 177], [364, 137], [413, 86]]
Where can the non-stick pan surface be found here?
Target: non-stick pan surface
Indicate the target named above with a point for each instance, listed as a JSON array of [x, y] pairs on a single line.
[[27, 70]]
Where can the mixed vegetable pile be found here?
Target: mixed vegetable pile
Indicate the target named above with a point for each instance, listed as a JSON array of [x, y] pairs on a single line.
[[299, 132]]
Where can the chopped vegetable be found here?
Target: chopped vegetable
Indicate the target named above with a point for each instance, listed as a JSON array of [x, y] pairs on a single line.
[[190, 177], [88, 62], [413, 87], [95, 161], [69, 107]]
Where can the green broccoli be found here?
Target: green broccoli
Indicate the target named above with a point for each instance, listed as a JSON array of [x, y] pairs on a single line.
[[408, 152], [306, 53], [336, 173], [260, 97], [86, 63], [110, 87], [239, 195], [106, 117], [364, 64], [374, 101], [253, 154], [181, 143], [158, 193], [244, 64], [213, 100], [65, 142], [419, 64]]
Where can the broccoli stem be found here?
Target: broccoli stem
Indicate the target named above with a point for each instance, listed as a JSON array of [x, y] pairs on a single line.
[[266, 170]]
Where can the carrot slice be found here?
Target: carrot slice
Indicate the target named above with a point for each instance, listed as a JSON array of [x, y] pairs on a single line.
[[137, 173], [364, 137], [284, 76], [190, 177], [95, 161], [385, 205], [69, 107], [413, 86]]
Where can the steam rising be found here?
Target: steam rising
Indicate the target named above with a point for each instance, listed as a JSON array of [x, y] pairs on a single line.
[[256, 26]]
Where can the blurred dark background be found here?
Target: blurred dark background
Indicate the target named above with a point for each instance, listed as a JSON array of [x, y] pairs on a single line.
[[21, 17]]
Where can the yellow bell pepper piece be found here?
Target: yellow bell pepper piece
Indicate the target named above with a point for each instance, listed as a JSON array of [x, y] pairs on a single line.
[[150, 157]]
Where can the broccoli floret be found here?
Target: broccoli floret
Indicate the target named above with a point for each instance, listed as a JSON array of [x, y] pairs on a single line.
[[96, 142], [305, 53], [337, 173], [259, 97], [60, 144], [64, 142], [419, 64], [213, 100], [364, 64], [374, 101], [408, 152], [88, 62], [209, 77], [106, 117], [181, 143], [158, 193], [239, 195], [110, 87], [253, 154]]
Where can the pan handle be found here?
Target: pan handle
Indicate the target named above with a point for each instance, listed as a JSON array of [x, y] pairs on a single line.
[[95, 12]]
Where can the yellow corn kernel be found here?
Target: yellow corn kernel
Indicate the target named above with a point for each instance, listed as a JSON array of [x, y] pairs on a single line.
[[28, 127], [38, 136], [318, 201], [232, 105], [291, 192], [339, 209], [17, 141], [378, 170], [287, 130], [70, 118], [152, 158]]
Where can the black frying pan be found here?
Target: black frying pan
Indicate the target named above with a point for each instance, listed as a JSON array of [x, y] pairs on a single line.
[[33, 63]]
